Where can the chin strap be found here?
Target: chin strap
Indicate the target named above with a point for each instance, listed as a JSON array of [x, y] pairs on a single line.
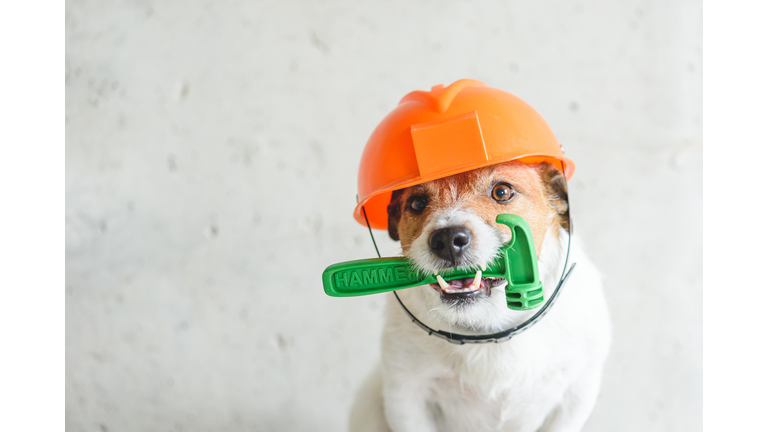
[[504, 335]]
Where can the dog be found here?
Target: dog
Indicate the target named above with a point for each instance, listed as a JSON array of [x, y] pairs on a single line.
[[546, 379]]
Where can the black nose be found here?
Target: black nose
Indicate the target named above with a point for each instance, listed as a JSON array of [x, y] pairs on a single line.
[[450, 243]]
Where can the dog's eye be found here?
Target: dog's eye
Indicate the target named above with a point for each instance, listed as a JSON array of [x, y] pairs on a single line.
[[502, 192], [417, 203]]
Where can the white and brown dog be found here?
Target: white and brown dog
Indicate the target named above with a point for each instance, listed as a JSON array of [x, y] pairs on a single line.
[[546, 379]]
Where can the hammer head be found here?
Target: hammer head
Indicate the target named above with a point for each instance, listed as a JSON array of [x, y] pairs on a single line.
[[520, 266]]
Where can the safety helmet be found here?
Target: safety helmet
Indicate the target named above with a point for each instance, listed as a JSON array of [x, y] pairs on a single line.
[[446, 131]]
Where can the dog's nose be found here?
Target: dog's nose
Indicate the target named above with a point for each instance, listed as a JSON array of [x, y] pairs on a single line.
[[450, 243]]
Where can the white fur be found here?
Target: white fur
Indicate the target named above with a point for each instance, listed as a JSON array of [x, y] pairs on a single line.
[[546, 379]]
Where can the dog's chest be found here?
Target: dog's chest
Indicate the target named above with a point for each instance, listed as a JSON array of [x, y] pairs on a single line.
[[497, 388]]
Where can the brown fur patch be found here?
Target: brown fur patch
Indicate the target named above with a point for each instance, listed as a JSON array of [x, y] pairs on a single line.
[[556, 188], [541, 200], [393, 212]]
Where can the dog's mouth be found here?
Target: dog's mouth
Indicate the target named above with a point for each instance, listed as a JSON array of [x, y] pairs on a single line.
[[466, 288]]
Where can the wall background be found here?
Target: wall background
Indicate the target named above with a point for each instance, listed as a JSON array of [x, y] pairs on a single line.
[[211, 159]]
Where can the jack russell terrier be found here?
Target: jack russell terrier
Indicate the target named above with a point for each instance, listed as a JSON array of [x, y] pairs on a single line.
[[546, 379]]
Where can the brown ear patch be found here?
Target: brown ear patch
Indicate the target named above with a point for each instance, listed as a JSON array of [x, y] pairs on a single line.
[[394, 210], [557, 192]]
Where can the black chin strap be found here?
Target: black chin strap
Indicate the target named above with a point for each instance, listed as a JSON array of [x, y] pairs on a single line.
[[504, 335]]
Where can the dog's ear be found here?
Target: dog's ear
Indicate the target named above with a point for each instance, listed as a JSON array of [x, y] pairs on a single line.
[[557, 191], [394, 212]]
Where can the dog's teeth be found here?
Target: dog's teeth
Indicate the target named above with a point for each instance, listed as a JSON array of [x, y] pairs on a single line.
[[478, 276], [441, 282], [482, 267]]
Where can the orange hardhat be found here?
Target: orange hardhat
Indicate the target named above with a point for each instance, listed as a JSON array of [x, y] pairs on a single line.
[[446, 131]]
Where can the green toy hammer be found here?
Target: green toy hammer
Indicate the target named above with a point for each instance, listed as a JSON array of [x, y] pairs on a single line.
[[517, 263]]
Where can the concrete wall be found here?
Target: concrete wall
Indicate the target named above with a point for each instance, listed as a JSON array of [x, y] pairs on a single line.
[[211, 162]]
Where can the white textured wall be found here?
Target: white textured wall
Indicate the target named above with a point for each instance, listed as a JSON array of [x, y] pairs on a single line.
[[211, 161]]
